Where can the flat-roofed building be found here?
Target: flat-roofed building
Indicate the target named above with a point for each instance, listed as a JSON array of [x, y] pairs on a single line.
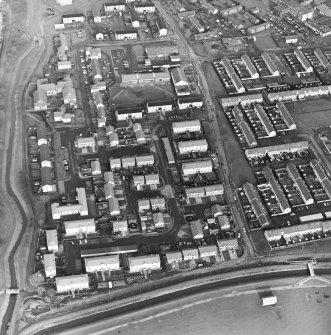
[[264, 119], [257, 205], [52, 240], [197, 167], [190, 254], [185, 147], [196, 228], [174, 256], [86, 226], [49, 265], [184, 126], [280, 196], [72, 283], [300, 184], [103, 263], [144, 263]]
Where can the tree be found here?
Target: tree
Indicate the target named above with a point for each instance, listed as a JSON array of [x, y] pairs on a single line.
[[37, 279]]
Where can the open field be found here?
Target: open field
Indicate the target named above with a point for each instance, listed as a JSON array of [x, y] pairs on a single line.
[[311, 115]]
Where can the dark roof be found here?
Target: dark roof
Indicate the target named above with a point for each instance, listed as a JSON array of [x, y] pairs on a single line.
[[144, 4], [134, 15], [72, 15], [114, 3], [160, 103], [160, 23], [41, 130], [126, 110], [129, 31], [189, 99], [46, 175], [45, 154]]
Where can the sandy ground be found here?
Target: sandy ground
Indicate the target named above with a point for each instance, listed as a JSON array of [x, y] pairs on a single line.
[[230, 311]]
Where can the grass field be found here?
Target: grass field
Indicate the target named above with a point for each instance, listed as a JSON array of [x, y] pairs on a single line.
[[140, 94]]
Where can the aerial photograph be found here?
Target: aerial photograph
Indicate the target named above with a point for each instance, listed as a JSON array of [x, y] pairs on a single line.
[[165, 167]]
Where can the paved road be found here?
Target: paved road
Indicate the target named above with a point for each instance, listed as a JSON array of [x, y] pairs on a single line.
[[211, 105]]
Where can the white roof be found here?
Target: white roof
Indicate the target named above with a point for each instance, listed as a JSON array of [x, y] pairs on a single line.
[[157, 201], [188, 144], [120, 224], [51, 237], [109, 177], [145, 158], [109, 190], [152, 177], [197, 164], [85, 140], [72, 280], [77, 224], [95, 261], [141, 260], [190, 252], [174, 255], [189, 124], [49, 262]]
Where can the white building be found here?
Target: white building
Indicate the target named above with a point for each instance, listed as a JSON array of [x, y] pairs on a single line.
[[126, 35], [64, 65], [120, 226], [158, 203], [197, 167], [174, 257], [144, 7], [52, 240], [123, 114], [72, 18], [197, 231], [195, 192], [104, 263], [145, 160], [142, 263], [116, 6], [191, 253], [189, 102], [108, 176], [208, 251], [96, 168], [86, 226], [128, 162], [49, 265], [108, 189], [86, 143], [138, 180], [192, 146], [114, 207], [64, 2], [227, 244], [216, 189], [115, 163], [159, 106], [158, 220], [144, 205], [152, 179], [71, 283], [72, 209], [184, 126]]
